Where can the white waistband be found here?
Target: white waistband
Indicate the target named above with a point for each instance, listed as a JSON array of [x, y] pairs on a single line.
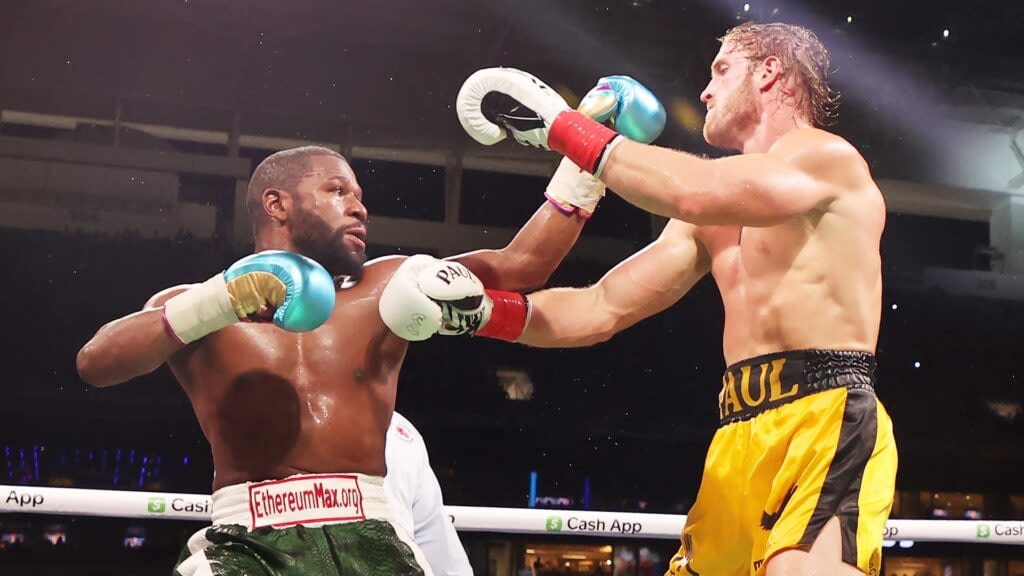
[[307, 499]]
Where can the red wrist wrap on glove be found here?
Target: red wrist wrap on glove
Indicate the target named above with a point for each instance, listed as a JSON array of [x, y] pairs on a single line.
[[580, 138], [508, 316]]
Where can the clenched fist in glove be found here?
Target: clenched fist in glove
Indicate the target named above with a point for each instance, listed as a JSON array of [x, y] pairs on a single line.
[[427, 296], [294, 292], [495, 103], [627, 106]]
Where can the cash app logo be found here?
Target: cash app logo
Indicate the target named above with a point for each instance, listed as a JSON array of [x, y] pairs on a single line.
[[984, 531], [156, 505], [554, 524]]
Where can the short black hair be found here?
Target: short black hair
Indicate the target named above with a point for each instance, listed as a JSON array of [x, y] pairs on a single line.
[[282, 170]]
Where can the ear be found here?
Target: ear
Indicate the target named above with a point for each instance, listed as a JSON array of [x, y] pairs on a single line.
[[768, 73], [277, 204]]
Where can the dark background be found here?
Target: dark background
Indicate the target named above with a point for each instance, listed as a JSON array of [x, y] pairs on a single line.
[[632, 416]]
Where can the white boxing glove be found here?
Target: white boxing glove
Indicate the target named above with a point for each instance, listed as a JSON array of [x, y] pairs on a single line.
[[495, 103], [427, 296], [573, 190]]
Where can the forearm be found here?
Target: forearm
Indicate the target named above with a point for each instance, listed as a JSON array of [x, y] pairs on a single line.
[[528, 261], [666, 182], [568, 318], [127, 348]]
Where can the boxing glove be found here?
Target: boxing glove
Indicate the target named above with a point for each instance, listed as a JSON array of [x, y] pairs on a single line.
[[294, 292], [495, 103], [627, 106], [427, 296]]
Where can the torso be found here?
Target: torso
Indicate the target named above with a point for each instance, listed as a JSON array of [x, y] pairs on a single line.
[[274, 403], [811, 282]]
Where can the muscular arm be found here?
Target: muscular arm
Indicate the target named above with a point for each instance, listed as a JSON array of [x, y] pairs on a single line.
[[130, 346], [796, 176], [641, 286], [529, 259]]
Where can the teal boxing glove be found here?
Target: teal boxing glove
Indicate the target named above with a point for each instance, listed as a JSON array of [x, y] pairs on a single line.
[[294, 292], [629, 107]]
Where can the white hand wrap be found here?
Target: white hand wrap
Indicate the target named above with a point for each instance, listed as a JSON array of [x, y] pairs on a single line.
[[200, 310], [572, 189]]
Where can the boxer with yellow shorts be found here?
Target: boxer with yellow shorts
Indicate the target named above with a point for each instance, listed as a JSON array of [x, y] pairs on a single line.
[[802, 439], [801, 474]]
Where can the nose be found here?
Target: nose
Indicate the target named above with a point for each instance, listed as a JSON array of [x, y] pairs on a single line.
[[356, 209], [705, 96]]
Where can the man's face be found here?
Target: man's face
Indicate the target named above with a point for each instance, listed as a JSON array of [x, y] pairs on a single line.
[[328, 220], [731, 99]]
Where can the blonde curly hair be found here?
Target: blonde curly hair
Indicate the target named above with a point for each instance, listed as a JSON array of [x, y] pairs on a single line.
[[801, 53]]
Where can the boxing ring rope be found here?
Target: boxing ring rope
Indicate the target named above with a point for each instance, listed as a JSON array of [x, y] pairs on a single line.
[[178, 506]]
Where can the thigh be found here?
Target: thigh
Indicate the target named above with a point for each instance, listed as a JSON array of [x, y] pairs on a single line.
[[839, 466], [368, 547], [713, 540], [374, 548], [824, 557], [228, 550]]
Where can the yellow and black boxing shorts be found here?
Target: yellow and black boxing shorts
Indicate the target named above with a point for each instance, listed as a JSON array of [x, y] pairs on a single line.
[[802, 439]]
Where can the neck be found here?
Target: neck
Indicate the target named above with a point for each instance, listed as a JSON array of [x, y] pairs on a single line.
[[273, 240], [774, 124]]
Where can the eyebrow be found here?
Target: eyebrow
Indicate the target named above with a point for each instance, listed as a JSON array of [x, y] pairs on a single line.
[[327, 179]]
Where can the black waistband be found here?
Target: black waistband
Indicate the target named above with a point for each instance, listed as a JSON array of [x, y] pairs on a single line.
[[758, 384]]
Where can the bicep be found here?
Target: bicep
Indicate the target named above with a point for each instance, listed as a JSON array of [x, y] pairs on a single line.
[[160, 298], [802, 173], [757, 190], [656, 277]]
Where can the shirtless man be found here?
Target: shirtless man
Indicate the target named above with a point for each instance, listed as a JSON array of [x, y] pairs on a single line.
[[296, 412], [800, 476], [287, 410]]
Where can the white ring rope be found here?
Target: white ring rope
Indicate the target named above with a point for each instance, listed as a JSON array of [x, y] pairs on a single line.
[[177, 506]]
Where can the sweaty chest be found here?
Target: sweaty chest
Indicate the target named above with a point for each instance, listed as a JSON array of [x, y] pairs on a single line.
[[741, 255], [351, 347]]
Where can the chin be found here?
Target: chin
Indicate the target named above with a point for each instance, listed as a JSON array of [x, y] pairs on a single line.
[[355, 272], [712, 137], [718, 138], [348, 261]]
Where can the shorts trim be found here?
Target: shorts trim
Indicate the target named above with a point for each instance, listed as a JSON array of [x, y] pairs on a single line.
[[840, 492]]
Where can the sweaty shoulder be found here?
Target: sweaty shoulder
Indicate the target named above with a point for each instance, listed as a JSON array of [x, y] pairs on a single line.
[[825, 156], [379, 270]]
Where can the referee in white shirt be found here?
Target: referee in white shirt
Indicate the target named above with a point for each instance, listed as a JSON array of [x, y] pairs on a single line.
[[416, 503]]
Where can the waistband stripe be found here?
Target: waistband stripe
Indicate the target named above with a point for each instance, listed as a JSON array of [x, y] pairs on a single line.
[[320, 498], [756, 385]]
